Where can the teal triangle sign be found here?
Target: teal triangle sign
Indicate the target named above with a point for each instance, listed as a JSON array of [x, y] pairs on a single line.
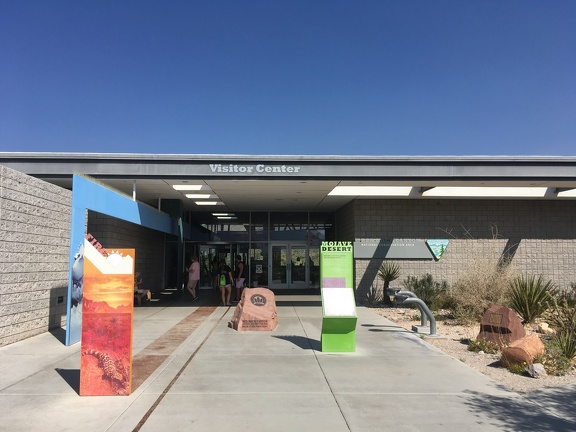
[[437, 247]]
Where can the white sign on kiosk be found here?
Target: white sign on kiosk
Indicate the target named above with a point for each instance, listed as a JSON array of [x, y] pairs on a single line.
[[339, 320], [339, 302]]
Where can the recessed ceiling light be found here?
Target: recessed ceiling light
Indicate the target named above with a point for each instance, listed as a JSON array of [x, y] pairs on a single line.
[[199, 196], [371, 191], [185, 187], [210, 203], [567, 193], [486, 192]]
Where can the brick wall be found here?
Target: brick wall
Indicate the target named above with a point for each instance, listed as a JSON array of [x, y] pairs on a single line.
[[345, 223], [149, 245], [540, 236], [34, 251]]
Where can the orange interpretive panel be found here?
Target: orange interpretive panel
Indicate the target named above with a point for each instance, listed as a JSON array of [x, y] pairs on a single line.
[[107, 317]]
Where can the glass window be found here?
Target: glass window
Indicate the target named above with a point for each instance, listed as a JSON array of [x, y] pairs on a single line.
[[288, 226], [321, 228], [259, 265], [216, 227], [259, 222]]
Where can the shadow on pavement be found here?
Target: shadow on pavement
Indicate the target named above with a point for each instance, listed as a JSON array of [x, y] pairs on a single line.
[[302, 342], [547, 410]]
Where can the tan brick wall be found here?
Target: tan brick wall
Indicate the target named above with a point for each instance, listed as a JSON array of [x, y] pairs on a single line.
[[541, 233], [34, 250], [345, 223]]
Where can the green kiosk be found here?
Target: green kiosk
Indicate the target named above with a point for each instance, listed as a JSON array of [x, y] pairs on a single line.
[[338, 303]]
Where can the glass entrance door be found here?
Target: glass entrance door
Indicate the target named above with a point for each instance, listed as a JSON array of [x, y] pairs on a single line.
[[288, 265], [209, 257]]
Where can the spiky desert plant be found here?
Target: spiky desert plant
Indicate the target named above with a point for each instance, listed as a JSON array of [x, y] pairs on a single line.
[[531, 297], [372, 296], [389, 271], [565, 341]]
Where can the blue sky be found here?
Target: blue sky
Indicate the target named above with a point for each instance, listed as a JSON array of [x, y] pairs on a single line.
[[404, 77]]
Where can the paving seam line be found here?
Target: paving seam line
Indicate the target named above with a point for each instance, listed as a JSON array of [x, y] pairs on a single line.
[[323, 373], [184, 366]]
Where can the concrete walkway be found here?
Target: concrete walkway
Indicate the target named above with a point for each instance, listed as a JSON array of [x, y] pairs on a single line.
[[194, 373]]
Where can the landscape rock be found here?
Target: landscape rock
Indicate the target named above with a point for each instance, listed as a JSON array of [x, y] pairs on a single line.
[[545, 328], [523, 350], [536, 370]]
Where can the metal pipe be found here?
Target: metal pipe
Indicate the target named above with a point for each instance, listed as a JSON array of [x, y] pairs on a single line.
[[413, 299], [423, 320]]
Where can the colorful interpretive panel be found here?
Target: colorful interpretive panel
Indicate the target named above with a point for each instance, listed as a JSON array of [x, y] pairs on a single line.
[[107, 317]]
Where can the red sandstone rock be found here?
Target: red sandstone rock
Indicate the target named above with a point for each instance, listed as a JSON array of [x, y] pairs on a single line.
[[501, 325], [523, 350], [256, 311]]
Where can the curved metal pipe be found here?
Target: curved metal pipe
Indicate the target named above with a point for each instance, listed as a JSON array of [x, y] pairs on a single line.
[[425, 312]]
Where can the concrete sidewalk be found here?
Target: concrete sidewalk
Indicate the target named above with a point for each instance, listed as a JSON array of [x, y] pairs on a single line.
[[197, 374]]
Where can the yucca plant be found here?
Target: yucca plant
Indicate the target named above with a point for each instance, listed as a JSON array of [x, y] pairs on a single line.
[[372, 296], [389, 271], [530, 297]]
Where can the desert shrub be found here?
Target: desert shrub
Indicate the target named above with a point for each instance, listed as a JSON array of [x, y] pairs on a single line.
[[568, 295], [516, 368], [483, 284], [485, 279], [553, 360], [562, 317], [483, 345], [431, 292], [531, 297]]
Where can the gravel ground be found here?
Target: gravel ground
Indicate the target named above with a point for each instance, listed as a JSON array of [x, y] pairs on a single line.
[[449, 341]]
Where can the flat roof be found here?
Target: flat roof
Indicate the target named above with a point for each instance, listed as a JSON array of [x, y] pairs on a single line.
[[305, 183]]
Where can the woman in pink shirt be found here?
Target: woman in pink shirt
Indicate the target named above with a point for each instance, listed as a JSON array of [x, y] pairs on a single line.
[[193, 276]]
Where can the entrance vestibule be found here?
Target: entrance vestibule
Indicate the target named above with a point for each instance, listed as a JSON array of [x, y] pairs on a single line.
[[280, 250], [278, 266]]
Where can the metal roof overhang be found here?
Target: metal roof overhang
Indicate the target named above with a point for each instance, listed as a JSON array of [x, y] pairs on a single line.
[[293, 183]]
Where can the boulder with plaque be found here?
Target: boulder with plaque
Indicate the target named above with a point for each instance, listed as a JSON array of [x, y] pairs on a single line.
[[256, 311], [500, 325]]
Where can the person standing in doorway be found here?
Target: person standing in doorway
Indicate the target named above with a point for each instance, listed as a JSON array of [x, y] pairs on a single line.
[[193, 276], [225, 279], [239, 277]]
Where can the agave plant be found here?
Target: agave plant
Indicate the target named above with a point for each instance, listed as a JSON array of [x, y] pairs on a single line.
[[530, 297], [388, 272]]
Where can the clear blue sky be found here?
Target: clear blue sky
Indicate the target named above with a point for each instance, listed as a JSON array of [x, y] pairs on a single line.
[[298, 77]]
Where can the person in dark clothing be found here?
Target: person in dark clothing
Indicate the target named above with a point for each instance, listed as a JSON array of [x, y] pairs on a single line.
[[239, 277], [225, 279]]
